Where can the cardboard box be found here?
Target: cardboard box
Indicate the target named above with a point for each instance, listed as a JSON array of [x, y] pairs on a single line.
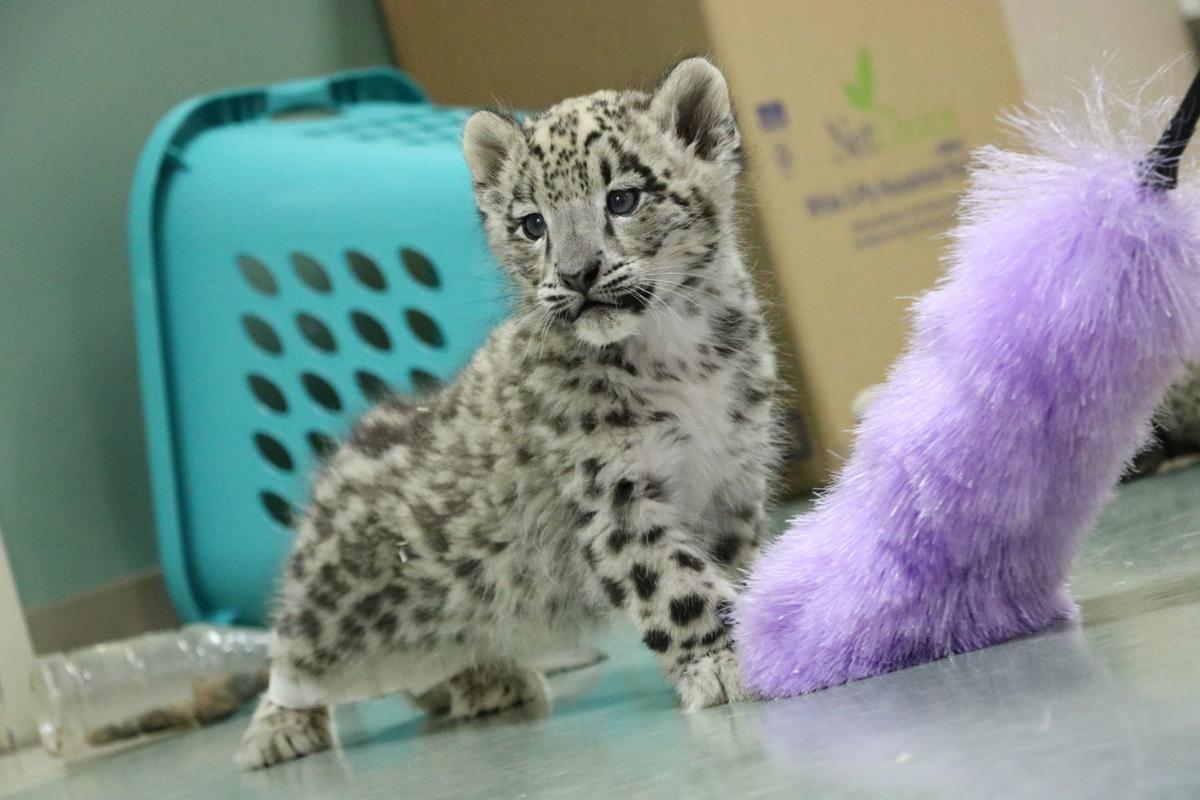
[[858, 117]]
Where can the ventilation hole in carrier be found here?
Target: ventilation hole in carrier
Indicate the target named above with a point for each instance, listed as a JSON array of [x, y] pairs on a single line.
[[267, 393], [273, 451], [424, 328], [424, 382], [262, 334], [317, 333], [280, 510], [366, 270], [370, 330], [373, 387], [257, 275], [321, 391], [322, 446], [311, 273], [420, 268]]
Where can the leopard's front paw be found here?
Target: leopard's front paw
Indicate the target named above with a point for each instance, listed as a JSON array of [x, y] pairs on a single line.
[[279, 734], [712, 679]]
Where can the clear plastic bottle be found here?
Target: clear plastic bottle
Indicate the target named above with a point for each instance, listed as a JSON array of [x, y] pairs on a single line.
[[169, 680]]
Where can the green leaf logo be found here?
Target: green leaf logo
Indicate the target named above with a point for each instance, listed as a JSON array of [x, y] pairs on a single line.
[[861, 93]]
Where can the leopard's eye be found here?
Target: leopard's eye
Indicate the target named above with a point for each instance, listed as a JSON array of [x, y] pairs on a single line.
[[622, 202], [534, 226]]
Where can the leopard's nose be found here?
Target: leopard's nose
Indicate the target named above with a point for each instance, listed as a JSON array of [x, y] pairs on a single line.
[[581, 280]]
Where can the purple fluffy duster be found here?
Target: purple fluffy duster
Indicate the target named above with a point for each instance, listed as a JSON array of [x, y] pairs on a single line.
[[1071, 302]]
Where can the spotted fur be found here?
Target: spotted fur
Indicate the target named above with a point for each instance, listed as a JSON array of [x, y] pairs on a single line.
[[607, 449]]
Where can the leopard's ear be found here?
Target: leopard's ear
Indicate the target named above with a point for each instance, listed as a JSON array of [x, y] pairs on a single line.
[[693, 103], [488, 139]]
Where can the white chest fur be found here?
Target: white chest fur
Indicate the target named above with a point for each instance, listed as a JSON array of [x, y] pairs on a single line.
[[697, 450]]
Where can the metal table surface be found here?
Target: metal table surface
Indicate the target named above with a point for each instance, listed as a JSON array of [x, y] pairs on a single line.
[[1108, 709]]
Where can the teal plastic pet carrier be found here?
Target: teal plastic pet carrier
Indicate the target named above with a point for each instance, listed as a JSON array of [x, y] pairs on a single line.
[[297, 250]]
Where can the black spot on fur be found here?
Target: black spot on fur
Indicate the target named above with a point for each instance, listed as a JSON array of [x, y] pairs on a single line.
[[618, 539], [622, 493], [727, 331], [650, 182], [386, 624], [621, 418], [657, 640], [368, 606], [752, 395], [725, 549], [645, 581], [713, 636], [433, 589], [323, 600], [394, 595], [351, 630], [309, 625], [746, 513], [611, 355], [424, 616], [687, 608], [436, 538], [486, 594], [615, 592], [653, 535], [724, 610], [587, 421], [469, 569], [688, 561], [376, 438], [285, 625], [358, 556], [656, 489], [308, 666], [323, 522], [330, 578]]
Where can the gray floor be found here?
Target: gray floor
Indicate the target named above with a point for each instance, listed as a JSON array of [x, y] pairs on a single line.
[[1107, 710]]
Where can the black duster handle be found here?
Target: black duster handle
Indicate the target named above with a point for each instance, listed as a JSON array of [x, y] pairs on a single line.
[[1160, 169]]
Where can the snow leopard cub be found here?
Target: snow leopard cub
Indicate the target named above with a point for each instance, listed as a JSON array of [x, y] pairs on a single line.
[[608, 449]]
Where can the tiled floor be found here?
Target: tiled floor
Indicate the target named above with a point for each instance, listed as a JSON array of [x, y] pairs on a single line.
[[1107, 710]]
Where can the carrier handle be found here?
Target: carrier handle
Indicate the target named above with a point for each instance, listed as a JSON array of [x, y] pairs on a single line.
[[329, 94]]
